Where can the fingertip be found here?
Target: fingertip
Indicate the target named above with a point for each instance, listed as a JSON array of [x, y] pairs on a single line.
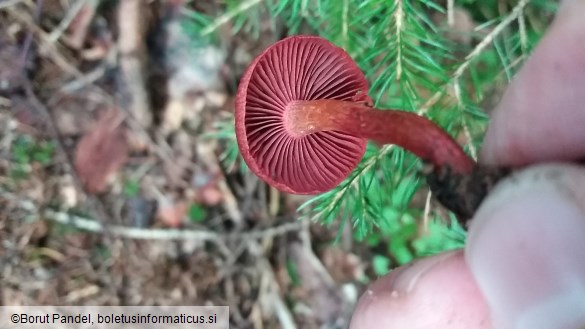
[[541, 115], [436, 292], [526, 249]]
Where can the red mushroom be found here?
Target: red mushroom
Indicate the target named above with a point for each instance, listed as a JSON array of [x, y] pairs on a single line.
[[303, 117]]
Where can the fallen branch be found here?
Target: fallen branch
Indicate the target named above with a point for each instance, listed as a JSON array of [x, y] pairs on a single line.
[[166, 234], [91, 225]]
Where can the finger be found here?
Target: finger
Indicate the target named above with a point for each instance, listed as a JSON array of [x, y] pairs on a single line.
[[542, 113], [436, 292], [526, 249]]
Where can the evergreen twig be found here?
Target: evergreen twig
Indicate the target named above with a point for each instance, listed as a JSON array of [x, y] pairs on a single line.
[[402, 48]]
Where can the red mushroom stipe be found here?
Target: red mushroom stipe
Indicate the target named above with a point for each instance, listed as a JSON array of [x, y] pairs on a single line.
[[303, 117]]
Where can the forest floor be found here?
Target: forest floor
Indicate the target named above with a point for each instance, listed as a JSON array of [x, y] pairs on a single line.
[[111, 193]]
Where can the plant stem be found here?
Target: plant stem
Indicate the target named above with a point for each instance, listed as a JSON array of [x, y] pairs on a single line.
[[410, 131]]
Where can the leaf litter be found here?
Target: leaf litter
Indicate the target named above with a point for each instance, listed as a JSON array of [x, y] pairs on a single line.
[[100, 269]]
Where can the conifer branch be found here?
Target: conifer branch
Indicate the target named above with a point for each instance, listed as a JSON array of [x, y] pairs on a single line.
[[491, 36], [399, 17], [228, 16], [404, 54], [516, 12]]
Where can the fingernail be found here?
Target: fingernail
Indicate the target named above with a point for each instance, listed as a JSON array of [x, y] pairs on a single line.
[[526, 250], [406, 278]]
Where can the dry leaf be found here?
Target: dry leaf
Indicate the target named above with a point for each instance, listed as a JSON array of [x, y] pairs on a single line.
[[101, 152], [173, 116], [172, 214], [211, 195], [343, 266], [12, 65], [68, 192]]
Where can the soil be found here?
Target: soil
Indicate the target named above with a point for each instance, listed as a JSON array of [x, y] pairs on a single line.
[[463, 193]]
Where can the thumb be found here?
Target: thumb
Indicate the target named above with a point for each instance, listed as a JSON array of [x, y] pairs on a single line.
[[542, 114], [526, 249]]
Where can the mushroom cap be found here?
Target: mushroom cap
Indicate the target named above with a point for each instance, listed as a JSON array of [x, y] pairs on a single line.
[[297, 68]]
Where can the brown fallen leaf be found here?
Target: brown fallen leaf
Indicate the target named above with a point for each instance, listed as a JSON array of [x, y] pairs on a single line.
[[101, 152], [172, 214], [173, 116], [343, 266], [74, 115]]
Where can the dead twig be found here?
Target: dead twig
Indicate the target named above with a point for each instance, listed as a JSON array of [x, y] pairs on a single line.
[[271, 289], [9, 3], [167, 234], [69, 17], [87, 79], [130, 232], [132, 52]]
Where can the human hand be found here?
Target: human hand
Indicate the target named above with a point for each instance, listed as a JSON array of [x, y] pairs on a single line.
[[524, 263]]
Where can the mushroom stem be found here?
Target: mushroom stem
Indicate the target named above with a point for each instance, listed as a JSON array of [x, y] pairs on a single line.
[[410, 131]]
